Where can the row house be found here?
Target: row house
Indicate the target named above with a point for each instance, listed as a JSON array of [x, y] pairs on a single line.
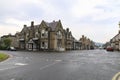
[[77, 45], [46, 36], [49, 36], [68, 39], [86, 43], [115, 41], [70, 42]]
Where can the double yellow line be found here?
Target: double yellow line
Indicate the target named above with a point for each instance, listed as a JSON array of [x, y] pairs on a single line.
[[116, 77]]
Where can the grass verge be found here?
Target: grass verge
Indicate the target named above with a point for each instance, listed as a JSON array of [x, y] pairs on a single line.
[[3, 57]]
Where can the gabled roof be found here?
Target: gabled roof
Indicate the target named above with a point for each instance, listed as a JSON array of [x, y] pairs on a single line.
[[28, 28], [52, 25]]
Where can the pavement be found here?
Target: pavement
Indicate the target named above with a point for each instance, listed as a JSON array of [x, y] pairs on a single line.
[[69, 65]]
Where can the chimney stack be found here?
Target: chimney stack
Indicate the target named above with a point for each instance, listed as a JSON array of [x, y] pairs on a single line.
[[32, 23], [25, 26], [67, 29]]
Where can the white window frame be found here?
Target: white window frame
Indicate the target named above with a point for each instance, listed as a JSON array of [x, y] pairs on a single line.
[[42, 33], [59, 34]]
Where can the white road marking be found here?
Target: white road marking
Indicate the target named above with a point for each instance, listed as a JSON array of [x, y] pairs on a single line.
[[16, 65], [46, 66], [105, 51], [58, 60], [8, 68], [20, 64], [12, 79]]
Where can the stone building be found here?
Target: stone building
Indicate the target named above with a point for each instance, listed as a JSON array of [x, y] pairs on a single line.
[[69, 40], [48, 36], [77, 45], [86, 43], [115, 41], [45, 36]]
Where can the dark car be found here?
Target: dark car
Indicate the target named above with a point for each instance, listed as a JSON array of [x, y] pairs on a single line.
[[12, 49], [109, 48]]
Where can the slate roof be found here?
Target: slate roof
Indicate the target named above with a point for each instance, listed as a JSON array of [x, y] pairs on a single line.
[[52, 25]]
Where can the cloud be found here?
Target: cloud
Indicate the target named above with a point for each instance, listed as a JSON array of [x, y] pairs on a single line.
[[85, 7], [6, 29], [95, 19]]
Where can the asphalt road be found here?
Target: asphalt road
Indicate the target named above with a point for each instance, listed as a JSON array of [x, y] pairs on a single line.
[[70, 65]]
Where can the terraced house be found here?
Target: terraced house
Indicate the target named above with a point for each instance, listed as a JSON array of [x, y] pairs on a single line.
[[86, 43], [115, 41], [48, 36], [69, 40], [45, 36]]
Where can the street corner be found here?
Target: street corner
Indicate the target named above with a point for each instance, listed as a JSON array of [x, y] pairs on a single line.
[[7, 59], [116, 76]]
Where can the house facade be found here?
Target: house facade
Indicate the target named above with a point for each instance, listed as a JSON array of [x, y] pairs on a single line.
[[48, 36], [86, 43], [115, 41], [69, 40], [45, 36]]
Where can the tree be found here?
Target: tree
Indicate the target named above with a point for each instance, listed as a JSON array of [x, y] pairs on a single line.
[[7, 42]]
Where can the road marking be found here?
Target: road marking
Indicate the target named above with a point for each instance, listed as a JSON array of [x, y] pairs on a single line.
[[7, 68], [46, 66], [12, 79], [105, 51], [16, 65], [58, 60], [116, 77], [20, 64]]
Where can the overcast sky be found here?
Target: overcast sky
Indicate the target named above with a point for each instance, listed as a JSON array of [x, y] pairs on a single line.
[[96, 19]]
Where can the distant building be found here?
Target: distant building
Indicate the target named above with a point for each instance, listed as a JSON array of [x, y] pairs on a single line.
[[115, 41], [86, 43], [77, 45], [69, 40]]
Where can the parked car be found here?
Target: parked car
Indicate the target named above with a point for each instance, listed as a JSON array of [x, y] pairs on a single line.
[[12, 49], [109, 48]]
